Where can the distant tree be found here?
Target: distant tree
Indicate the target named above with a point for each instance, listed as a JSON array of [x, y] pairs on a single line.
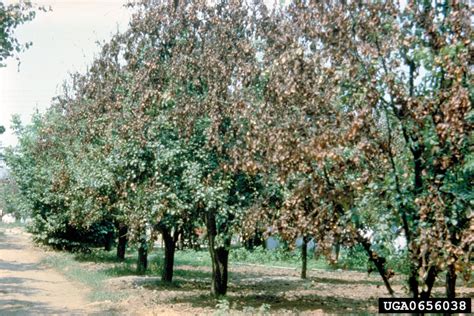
[[2, 130], [11, 201]]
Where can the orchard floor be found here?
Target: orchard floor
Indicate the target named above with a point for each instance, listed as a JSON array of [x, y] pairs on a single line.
[[324, 292], [29, 287]]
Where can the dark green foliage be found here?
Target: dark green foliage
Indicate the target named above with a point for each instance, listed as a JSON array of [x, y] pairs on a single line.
[[63, 236]]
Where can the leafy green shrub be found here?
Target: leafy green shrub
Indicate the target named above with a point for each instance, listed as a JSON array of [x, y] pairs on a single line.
[[279, 256], [354, 258], [59, 234], [399, 262], [261, 255]]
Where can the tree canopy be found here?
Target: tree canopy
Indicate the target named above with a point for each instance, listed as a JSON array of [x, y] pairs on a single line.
[[318, 119]]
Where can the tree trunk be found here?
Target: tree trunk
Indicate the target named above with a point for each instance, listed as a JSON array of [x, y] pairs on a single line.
[[219, 258], [304, 257], [379, 263], [180, 235], [418, 170], [170, 246], [413, 281], [430, 280], [337, 251], [451, 282], [109, 240], [142, 262], [413, 276], [195, 242], [122, 242]]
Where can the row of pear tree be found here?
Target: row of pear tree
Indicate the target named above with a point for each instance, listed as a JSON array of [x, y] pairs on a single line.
[[348, 122]]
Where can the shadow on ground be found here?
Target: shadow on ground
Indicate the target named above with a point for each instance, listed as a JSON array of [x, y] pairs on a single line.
[[285, 292], [281, 302], [23, 307], [9, 246], [9, 266]]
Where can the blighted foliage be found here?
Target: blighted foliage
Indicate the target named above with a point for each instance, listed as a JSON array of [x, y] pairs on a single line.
[[371, 98]]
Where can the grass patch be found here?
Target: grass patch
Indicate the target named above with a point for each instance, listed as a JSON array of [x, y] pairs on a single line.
[[276, 257], [12, 225], [67, 264], [195, 258], [97, 256], [192, 274]]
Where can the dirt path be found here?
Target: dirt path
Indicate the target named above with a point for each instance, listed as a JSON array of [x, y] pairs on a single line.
[[29, 288]]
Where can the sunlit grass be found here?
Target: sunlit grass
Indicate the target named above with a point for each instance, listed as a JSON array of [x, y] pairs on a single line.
[[67, 264], [277, 257], [12, 225]]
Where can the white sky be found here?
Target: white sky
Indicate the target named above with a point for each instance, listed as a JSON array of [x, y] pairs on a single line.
[[64, 41]]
